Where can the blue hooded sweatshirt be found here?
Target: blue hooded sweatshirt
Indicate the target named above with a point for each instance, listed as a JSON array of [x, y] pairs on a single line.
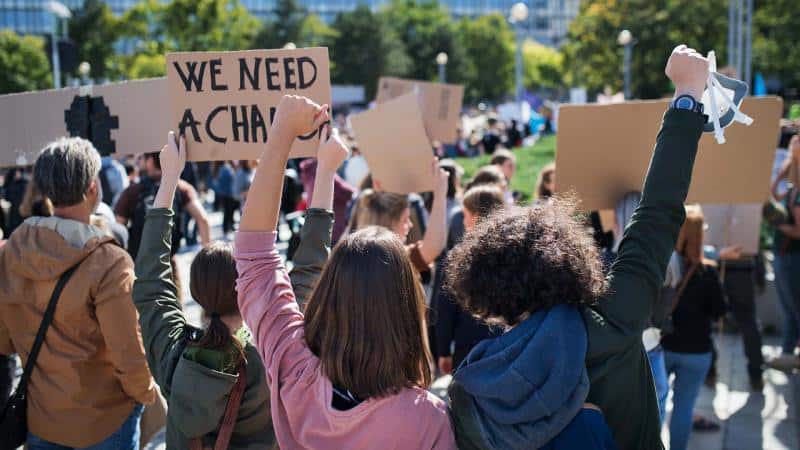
[[521, 389]]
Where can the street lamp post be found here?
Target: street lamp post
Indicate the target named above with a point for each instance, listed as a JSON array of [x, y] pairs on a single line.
[[441, 61], [60, 12], [517, 17], [626, 40]]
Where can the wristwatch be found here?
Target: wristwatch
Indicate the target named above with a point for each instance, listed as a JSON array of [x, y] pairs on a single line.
[[687, 102]]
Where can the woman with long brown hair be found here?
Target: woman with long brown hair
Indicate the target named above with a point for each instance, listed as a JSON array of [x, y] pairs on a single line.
[[353, 371], [203, 371], [687, 348]]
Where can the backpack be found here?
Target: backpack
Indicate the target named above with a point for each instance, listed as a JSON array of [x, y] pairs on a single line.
[[144, 202]]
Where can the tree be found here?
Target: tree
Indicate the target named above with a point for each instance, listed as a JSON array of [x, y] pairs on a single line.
[[426, 29], [593, 58], [23, 63], [181, 25], [315, 33], [489, 46], [776, 28], [284, 28], [365, 49], [542, 66], [207, 25], [94, 30]]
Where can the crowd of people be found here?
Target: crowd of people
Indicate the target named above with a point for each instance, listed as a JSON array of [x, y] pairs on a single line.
[[556, 335]]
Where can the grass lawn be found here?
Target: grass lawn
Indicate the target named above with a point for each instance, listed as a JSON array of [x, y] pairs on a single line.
[[530, 161]]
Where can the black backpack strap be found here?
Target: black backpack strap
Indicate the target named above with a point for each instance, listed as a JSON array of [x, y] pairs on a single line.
[[46, 320]]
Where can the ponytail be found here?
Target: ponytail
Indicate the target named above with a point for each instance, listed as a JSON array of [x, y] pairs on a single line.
[[213, 286], [217, 336]]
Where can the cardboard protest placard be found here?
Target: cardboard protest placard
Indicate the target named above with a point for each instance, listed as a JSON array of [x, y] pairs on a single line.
[[440, 104], [603, 151], [224, 102], [392, 138], [733, 225], [119, 119]]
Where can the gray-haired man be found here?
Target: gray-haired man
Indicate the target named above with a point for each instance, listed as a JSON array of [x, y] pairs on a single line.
[[91, 377]]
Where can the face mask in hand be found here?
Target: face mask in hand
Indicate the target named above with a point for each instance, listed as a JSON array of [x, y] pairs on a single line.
[[721, 101]]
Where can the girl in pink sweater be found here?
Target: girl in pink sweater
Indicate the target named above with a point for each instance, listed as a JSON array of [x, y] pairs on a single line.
[[352, 372]]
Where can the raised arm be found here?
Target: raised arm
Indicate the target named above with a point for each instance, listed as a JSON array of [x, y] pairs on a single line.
[[435, 237], [265, 296], [793, 156], [315, 237], [638, 272], [154, 292], [294, 117]]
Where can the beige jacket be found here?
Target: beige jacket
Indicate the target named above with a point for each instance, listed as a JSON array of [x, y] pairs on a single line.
[[91, 370]]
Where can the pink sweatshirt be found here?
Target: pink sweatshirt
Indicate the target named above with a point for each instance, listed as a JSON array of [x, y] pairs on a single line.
[[300, 394]]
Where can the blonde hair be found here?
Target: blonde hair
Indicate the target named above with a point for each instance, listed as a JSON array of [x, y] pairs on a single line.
[[378, 208], [690, 238]]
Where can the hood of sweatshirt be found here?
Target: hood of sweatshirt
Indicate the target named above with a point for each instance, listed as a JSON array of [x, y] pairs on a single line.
[[523, 388], [42, 249]]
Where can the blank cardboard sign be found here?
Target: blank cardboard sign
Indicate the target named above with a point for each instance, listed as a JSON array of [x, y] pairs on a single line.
[[224, 102], [119, 118], [733, 225], [603, 151], [393, 140], [440, 103]]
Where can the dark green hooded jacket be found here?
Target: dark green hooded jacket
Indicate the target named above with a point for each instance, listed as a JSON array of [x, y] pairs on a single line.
[[194, 381]]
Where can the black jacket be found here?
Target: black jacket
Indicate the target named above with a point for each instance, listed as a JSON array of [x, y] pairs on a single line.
[[701, 303]]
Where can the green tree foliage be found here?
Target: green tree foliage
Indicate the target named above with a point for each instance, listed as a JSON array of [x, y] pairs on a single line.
[[776, 30], [156, 28], [285, 27], [543, 67], [489, 46], [23, 63], [366, 48], [94, 30], [425, 28], [593, 58], [315, 33], [204, 25]]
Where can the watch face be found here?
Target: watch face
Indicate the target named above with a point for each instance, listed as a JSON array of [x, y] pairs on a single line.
[[684, 103]]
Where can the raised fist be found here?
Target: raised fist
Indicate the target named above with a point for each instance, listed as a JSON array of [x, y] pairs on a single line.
[[688, 71]]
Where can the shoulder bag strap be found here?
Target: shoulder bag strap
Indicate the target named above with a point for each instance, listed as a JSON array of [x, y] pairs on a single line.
[[46, 320], [229, 418], [688, 276]]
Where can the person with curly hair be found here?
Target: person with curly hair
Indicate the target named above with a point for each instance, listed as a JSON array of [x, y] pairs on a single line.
[[574, 338]]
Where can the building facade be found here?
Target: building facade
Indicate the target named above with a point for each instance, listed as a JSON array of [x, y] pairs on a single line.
[[547, 22]]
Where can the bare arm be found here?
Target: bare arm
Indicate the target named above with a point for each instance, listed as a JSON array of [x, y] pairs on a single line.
[[198, 213], [436, 234], [792, 231]]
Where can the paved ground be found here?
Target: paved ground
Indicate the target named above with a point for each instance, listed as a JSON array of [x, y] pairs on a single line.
[[749, 421]]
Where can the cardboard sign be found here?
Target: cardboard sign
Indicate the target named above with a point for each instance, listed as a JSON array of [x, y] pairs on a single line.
[[728, 225], [119, 119], [603, 152], [224, 102], [392, 138], [440, 104]]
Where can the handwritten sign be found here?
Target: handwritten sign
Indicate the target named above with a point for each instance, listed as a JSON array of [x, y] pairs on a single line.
[[440, 104], [224, 102]]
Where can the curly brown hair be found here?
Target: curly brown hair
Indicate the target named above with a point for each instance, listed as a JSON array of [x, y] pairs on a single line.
[[525, 260]]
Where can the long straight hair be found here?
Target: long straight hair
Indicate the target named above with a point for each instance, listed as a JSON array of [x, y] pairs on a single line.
[[365, 319], [213, 286], [690, 238]]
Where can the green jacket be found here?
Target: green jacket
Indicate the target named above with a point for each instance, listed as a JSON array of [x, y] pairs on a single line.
[[193, 382], [619, 371]]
